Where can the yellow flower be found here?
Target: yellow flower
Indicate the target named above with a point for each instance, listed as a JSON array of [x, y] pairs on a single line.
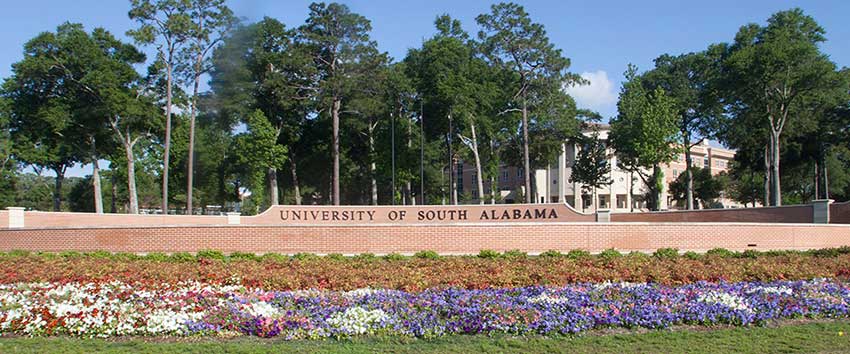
[[840, 333]]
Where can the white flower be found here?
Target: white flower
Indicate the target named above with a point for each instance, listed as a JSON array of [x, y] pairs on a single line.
[[546, 299], [778, 290], [721, 298], [357, 320]]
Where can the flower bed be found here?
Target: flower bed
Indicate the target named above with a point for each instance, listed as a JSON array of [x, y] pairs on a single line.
[[275, 272], [190, 308]]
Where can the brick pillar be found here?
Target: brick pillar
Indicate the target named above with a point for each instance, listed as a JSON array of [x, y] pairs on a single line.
[[820, 211], [234, 218], [16, 217]]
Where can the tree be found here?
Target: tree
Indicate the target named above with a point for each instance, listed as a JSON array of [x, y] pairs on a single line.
[[592, 169], [687, 79], [510, 40], [257, 150], [167, 24], [211, 21], [706, 188], [771, 69], [41, 106], [338, 40], [644, 133]]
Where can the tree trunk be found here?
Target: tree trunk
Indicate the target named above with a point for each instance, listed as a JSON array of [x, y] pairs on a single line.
[[632, 191], [690, 176], [57, 191], [191, 167], [335, 151], [296, 188], [133, 208], [95, 179], [816, 178], [777, 190], [493, 189], [479, 175], [525, 160], [114, 207], [273, 188], [167, 149], [825, 179], [372, 165], [767, 177]]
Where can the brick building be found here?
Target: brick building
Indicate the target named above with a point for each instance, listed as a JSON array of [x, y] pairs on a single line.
[[551, 185]]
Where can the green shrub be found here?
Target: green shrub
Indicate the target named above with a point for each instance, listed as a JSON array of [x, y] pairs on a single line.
[[721, 252], [753, 254], [488, 254], [305, 256], [829, 252], [427, 255], [156, 257], [552, 254], [19, 253], [691, 255], [394, 257], [515, 254], [365, 256], [578, 254], [182, 257], [99, 254], [210, 254], [70, 254], [247, 256], [335, 256], [276, 257], [638, 255], [666, 253], [125, 256], [610, 254]]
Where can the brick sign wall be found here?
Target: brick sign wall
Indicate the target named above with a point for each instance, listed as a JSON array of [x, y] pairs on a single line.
[[445, 229]]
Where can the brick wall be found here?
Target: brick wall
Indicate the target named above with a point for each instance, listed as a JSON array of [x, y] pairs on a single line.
[[443, 238], [783, 214], [839, 213]]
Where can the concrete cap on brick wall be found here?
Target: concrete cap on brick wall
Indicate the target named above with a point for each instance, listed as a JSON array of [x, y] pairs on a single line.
[[603, 215], [234, 218], [16, 217], [820, 210]]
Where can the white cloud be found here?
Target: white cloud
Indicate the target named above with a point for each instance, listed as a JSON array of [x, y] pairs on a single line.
[[599, 95]]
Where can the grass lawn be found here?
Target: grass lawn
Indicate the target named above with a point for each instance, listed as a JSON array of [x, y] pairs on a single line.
[[805, 337]]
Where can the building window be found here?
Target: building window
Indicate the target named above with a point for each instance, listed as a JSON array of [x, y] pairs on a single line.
[[474, 194], [554, 181], [705, 162], [603, 201], [519, 172], [675, 173]]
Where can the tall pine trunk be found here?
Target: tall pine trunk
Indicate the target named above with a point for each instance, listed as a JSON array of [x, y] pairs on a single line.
[[767, 175], [95, 179], [191, 166], [296, 188], [372, 165], [525, 160], [690, 175], [169, 70], [335, 150]]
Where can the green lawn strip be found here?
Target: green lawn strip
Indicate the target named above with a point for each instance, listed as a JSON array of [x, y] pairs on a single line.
[[796, 337]]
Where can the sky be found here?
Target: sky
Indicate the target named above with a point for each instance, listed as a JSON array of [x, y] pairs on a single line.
[[600, 37]]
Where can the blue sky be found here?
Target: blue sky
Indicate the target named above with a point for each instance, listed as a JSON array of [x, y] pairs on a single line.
[[600, 37]]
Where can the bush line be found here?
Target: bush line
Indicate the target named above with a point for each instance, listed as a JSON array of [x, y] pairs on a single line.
[[608, 254]]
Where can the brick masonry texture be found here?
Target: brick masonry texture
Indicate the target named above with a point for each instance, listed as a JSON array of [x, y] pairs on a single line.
[[445, 239], [766, 229]]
